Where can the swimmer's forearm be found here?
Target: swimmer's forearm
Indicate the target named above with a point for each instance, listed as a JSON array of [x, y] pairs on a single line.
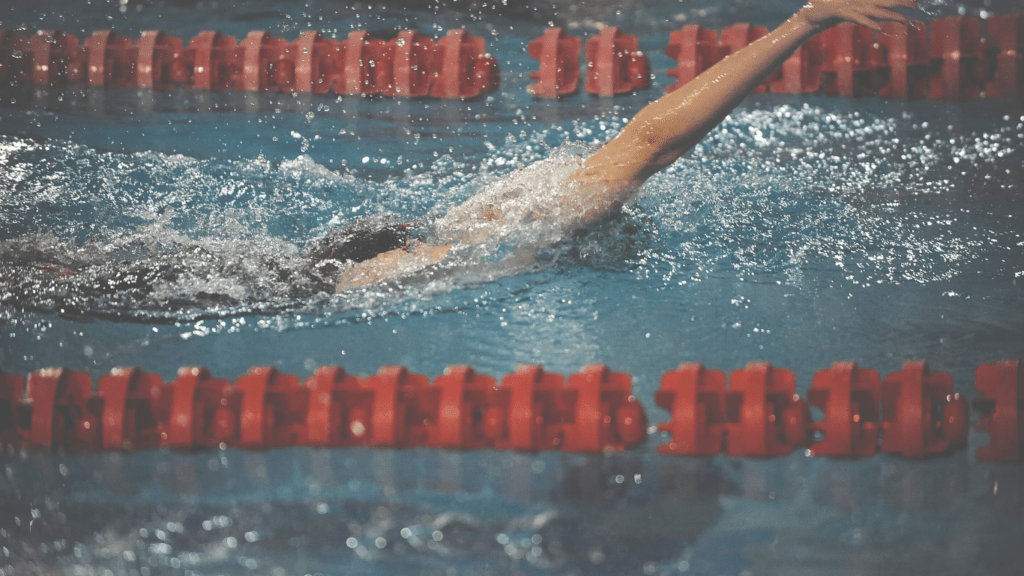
[[681, 119], [672, 125], [676, 122]]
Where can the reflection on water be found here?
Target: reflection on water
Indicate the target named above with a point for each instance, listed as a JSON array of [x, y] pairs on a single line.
[[402, 510], [120, 102]]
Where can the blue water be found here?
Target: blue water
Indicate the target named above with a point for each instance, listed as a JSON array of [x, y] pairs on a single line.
[[803, 231]]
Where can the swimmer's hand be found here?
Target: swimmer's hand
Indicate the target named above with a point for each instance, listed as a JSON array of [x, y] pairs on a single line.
[[391, 265], [822, 14]]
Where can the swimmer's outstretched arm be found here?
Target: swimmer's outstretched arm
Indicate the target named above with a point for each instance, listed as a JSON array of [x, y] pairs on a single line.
[[669, 127], [392, 264]]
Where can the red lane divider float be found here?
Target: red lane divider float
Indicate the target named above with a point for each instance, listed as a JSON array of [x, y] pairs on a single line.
[[1002, 408], [615, 65], [695, 50], [958, 62], [203, 411], [60, 410], [412, 65], [921, 415], [961, 58], [524, 414], [130, 415], [801, 73], [157, 53], [600, 412], [912, 413], [908, 66], [364, 65], [52, 53], [559, 58], [266, 63], [848, 398], [760, 415], [111, 60], [1007, 31], [462, 68], [851, 60], [695, 398], [764, 415], [272, 409], [963, 61], [456, 66]]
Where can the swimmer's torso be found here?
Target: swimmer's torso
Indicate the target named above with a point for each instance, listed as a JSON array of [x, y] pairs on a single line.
[[530, 208], [538, 204]]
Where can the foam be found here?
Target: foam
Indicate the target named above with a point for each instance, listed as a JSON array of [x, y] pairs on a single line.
[[772, 192]]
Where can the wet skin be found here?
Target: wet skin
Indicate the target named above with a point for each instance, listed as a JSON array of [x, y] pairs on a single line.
[[655, 138]]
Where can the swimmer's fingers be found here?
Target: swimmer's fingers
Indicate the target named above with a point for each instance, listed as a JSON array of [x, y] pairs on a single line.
[[863, 20], [882, 10], [825, 13], [871, 17], [899, 4]]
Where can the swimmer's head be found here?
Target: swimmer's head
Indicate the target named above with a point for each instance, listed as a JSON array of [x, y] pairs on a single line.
[[356, 241]]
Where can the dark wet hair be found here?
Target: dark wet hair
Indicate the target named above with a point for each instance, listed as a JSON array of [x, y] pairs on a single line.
[[358, 240]]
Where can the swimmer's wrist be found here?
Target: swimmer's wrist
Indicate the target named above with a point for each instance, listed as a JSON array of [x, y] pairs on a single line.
[[818, 15], [821, 15], [804, 20]]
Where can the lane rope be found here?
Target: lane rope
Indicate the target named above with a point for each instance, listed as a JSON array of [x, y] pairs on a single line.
[[913, 413], [952, 58]]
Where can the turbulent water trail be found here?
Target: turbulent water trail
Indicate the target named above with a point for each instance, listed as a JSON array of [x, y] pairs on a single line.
[[150, 236], [771, 193]]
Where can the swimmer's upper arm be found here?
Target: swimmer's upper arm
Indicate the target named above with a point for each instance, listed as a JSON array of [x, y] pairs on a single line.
[[669, 127], [672, 125], [626, 161], [665, 130]]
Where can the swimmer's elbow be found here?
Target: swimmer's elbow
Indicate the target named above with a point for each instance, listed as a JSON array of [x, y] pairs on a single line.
[[617, 165], [635, 155], [391, 265]]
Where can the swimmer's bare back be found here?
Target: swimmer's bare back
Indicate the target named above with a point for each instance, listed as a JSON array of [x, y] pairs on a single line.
[[659, 134]]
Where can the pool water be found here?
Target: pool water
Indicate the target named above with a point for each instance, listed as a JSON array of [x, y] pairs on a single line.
[[803, 231]]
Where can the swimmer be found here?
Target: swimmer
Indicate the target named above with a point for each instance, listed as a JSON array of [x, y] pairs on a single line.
[[600, 184]]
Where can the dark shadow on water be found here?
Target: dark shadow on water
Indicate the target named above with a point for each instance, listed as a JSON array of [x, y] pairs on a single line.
[[411, 509], [602, 514]]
